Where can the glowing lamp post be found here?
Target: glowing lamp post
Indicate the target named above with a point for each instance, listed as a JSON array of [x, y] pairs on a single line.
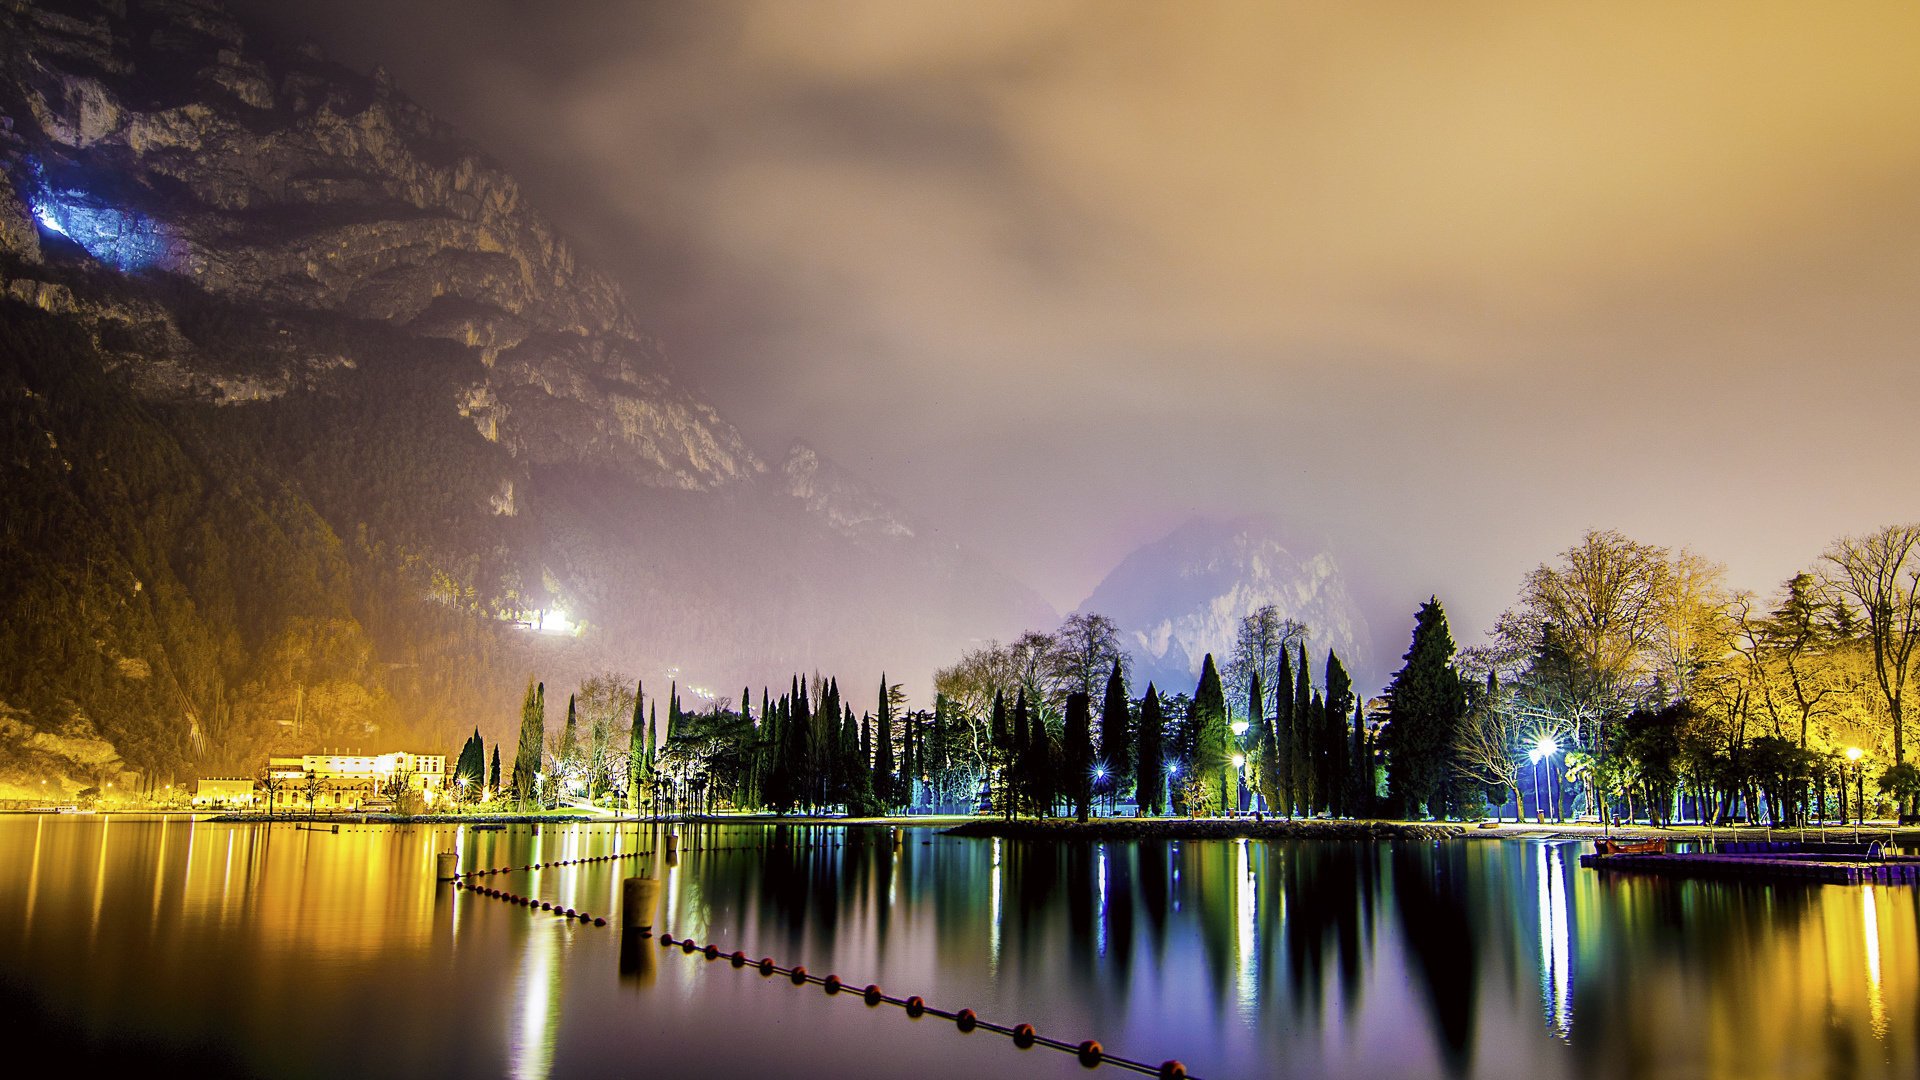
[[1240, 776], [1543, 750]]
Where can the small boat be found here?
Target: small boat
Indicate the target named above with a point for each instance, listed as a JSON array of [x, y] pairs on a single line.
[[1607, 845]]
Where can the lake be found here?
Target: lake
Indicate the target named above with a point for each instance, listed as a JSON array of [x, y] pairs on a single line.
[[251, 950]]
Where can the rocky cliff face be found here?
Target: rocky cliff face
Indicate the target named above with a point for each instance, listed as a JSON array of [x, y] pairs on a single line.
[[1182, 597], [370, 413], [157, 139]]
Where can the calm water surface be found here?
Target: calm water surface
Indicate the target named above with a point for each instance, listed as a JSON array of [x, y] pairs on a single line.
[[279, 951]]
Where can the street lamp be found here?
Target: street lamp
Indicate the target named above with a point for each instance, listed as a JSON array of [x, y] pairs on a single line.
[[1543, 750], [1240, 775]]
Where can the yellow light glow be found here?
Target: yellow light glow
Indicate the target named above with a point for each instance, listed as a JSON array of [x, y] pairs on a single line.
[[1854, 753]]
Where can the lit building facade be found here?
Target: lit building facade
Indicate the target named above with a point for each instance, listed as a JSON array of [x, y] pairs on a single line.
[[228, 791], [346, 781]]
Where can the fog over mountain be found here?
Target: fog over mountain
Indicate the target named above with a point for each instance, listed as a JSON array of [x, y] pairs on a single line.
[[1183, 596]]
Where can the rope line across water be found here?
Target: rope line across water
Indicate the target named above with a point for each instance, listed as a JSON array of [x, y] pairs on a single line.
[[1090, 1052]]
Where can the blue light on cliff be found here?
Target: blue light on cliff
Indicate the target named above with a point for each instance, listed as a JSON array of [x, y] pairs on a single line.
[[122, 239]]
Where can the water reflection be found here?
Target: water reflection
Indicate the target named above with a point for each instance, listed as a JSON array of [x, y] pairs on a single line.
[[1485, 959]]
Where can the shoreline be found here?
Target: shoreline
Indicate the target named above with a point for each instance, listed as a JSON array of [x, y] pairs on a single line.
[[1208, 829]]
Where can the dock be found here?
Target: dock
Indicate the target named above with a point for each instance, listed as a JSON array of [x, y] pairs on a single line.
[[1866, 863]]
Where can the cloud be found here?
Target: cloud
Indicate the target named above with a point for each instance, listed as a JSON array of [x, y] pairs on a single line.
[[1450, 282]]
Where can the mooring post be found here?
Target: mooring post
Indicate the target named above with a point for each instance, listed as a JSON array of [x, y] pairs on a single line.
[[639, 898], [446, 866]]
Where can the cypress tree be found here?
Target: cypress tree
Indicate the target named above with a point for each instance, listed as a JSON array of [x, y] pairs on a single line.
[[1149, 786], [1002, 752], [1287, 773], [637, 748], [909, 758], [1305, 770], [1339, 699], [1041, 785], [569, 741], [936, 775], [1317, 711], [1360, 766], [673, 710], [1425, 702], [1213, 741], [1115, 755], [1077, 753], [533, 736], [494, 781], [884, 787], [1022, 780]]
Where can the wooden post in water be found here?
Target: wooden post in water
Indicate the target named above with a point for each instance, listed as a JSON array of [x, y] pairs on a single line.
[[446, 865], [639, 898]]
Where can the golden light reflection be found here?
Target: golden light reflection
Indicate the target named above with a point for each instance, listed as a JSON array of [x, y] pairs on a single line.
[[531, 1028], [1870, 930]]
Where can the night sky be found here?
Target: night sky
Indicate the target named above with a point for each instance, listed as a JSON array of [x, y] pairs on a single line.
[[1444, 285]]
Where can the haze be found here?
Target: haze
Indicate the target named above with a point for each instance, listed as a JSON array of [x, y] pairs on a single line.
[[1443, 285]]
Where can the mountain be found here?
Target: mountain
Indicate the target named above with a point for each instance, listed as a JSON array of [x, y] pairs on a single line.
[[310, 417], [1183, 596]]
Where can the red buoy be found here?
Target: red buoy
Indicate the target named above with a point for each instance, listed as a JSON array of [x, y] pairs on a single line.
[[1091, 1053], [1023, 1036], [738, 959], [831, 984], [916, 1005], [766, 965], [873, 994], [712, 951], [599, 922], [798, 975], [964, 1019], [1172, 1070]]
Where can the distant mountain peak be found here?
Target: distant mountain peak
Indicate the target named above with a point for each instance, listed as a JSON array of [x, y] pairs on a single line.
[[1183, 596], [848, 504]]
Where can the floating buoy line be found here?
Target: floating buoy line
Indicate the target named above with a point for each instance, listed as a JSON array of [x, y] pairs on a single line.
[[1090, 1052]]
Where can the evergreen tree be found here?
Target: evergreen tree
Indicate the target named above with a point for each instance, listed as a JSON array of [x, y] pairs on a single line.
[[1338, 700], [1304, 795], [533, 735], [673, 710], [1360, 766], [909, 758], [1317, 713], [1116, 757], [884, 787], [1425, 705], [1002, 753], [493, 782], [637, 763], [937, 769], [1213, 749], [1039, 763], [1077, 753], [1022, 770], [1149, 785], [1286, 774], [568, 765]]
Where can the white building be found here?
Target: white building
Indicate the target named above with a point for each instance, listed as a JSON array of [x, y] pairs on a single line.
[[347, 781]]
